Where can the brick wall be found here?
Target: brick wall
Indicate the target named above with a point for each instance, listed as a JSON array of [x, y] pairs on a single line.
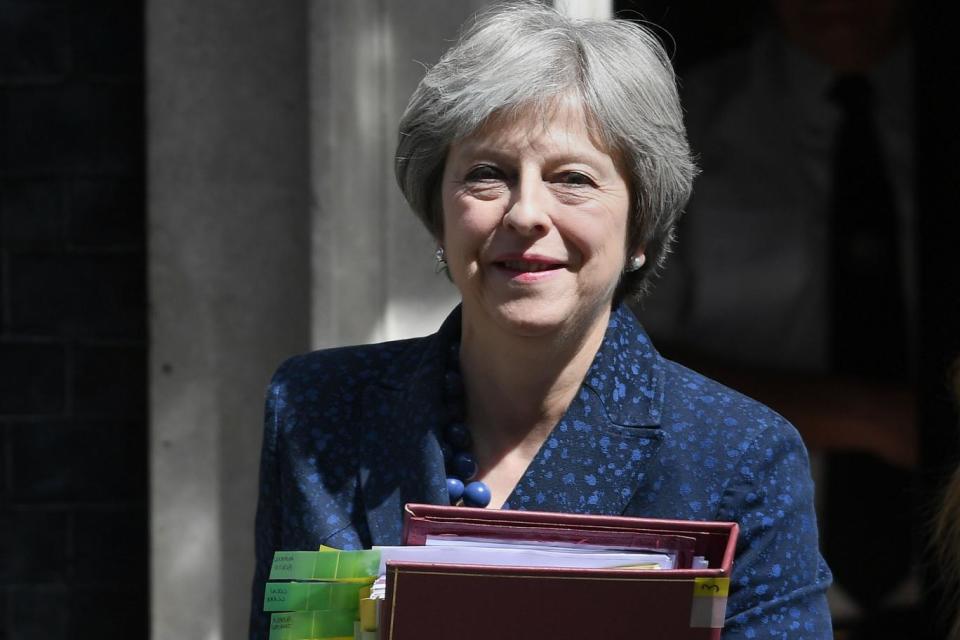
[[73, 452]]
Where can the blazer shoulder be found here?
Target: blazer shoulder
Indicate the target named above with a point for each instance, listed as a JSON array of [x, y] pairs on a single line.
[[693, 398], [319, 394], [350, 367]]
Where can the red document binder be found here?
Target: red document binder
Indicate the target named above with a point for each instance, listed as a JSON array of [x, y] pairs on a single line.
[[470, 602]]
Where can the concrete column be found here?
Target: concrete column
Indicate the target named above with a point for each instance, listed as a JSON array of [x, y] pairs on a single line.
[[373, 275], [229, 286]]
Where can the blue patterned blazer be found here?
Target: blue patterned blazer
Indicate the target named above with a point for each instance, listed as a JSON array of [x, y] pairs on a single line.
[[351, 436]]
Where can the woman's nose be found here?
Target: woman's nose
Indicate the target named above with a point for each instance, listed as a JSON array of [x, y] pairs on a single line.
[[528, 210]]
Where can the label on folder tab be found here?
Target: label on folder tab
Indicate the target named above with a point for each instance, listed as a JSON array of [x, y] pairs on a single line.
[[325, 565], [709, 602]]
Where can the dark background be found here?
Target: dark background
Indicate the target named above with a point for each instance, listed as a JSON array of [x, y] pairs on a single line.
[[73, 316], [73, 429]]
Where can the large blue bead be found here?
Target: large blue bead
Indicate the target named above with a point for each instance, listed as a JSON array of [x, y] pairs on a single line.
[[458, 435], [476, 494], [455, 489], [464, 465]]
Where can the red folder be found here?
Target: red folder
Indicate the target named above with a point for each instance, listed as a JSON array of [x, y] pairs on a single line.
[[469, 602]]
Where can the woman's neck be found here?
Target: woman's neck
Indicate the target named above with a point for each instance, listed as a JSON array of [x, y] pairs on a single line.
[[519, 387]]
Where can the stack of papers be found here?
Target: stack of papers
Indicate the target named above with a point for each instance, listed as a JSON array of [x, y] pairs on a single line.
[[507, 553], [476, 574], [547, 575], [314, 595]]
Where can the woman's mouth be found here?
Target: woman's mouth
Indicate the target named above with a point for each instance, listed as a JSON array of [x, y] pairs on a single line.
[[529, 269], [527, 266]]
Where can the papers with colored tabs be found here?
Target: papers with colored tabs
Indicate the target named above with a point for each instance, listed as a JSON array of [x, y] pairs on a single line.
[[312, 596], [324, 565], [312, 625], [481, 573], [524, 554], [320, 595]]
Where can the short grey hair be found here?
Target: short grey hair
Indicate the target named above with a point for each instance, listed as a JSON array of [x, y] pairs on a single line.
[[523, 55]]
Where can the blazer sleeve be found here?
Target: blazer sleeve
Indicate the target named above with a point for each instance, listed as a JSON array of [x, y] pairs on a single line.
[[779, 582], [268, 527]]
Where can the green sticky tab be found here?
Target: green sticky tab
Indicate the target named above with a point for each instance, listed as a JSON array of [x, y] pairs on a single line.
[[324, 565], [312, 596], [311, 625]]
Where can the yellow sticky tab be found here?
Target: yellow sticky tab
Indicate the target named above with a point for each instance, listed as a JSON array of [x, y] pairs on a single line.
[[324, 547], [369, 614], [711, 587]]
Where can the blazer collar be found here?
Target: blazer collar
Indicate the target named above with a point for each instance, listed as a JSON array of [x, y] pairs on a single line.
[[595, 459], [592, 462], [627, 374]]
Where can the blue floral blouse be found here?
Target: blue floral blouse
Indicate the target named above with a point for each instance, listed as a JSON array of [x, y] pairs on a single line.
[[351, 435]]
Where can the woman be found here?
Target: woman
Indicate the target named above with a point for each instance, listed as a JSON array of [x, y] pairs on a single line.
[[548, 159]]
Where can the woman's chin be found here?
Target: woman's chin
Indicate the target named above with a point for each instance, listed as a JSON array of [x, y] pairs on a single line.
[[540, 318], [530, 327]]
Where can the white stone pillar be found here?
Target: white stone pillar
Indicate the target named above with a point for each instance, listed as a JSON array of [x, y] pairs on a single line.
[[373, 275], [229, 287]]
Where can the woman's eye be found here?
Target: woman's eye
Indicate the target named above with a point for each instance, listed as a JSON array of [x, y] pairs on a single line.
[[484, 173], [575, 178]]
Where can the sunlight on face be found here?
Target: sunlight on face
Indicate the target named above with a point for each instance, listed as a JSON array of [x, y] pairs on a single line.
[[535, 223]]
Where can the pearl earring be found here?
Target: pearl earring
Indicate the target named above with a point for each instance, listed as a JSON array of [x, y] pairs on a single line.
[[441, 260], [635, 262]]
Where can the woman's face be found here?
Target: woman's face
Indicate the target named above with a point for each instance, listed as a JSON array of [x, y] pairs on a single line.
[[535, 224]]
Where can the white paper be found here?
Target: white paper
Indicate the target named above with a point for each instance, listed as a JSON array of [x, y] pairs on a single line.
[[521, 556]]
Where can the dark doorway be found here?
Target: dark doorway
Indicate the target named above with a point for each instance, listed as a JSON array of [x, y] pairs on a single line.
[[73, 429]]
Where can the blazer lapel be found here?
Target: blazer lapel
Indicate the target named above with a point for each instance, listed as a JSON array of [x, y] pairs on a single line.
[[594, 461]]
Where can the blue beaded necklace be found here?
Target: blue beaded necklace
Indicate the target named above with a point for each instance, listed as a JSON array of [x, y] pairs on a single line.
[[461, 464]]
